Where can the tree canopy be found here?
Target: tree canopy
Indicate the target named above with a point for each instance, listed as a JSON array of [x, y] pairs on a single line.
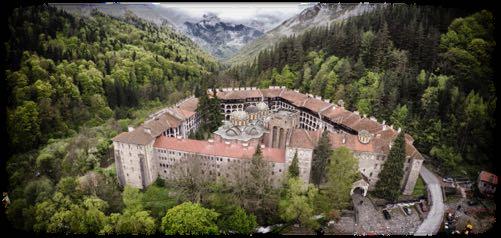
[[190, 219]]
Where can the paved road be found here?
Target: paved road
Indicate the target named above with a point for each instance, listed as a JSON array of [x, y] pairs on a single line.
[[433, 221]]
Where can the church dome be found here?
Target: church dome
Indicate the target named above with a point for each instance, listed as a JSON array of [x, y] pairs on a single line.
[[240, 115], [234, 131], [261, 106], [364, 136], [251, 130], [251, 109]]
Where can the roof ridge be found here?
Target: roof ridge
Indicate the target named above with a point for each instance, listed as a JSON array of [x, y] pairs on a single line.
[[281, 91], [304, 102]]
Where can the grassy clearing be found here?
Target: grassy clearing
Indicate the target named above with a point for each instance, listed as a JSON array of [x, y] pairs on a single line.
[[420, 188]]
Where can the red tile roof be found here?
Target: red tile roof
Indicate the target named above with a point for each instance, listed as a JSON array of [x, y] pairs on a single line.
[[340, 115], [233, 150], [239, 94], [316, 105], [367, 124], [351, 142], [181, 113], [294, 97], [301, 138], [488, 177], [138, 136], [156, 125], [271, 93], [189, 104]]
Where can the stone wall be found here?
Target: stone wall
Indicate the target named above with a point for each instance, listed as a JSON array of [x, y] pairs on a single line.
[[129, 159], [412, 176], [369, 164], [304, 158], [172, 163]]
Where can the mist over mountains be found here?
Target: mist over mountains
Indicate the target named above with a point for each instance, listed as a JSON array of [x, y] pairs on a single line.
[[230, 39]]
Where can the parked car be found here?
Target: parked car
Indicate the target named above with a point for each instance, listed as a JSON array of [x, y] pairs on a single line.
[[407, 210], [448, 180], [472, 202], [386, 214], [462, 180], [423, 207]]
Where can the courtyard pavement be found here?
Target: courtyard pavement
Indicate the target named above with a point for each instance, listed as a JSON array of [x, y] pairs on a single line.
[[370, 220]]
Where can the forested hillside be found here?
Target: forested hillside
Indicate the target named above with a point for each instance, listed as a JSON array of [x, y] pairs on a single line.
[[72, 84], [421, 68], [67, 71]]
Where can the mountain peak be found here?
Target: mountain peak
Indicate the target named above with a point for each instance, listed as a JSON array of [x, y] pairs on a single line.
[[210, 19], [222, 39]]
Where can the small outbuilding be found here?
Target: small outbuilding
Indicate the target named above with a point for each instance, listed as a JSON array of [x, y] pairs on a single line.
[[487, 183]]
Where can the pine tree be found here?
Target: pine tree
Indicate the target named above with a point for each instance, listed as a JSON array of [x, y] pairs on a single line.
[[389, 186], [294, 167], [202, 111], [215, 118], [321, 155], [259, 174]]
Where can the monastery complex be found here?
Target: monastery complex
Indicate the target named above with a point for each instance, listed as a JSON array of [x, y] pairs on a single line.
[[281, 121]]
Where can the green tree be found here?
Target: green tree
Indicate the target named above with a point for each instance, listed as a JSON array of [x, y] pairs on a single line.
[[293, 171], [157, 200], [321, 155], [297, 206], [449, 158], [133, 198], [259, 175], [134, 219], [190, 219], [68, 186], [239, 222], [131, 222], [23, 125], [342, 172], [399, 117], [390, 178], [38, 190]]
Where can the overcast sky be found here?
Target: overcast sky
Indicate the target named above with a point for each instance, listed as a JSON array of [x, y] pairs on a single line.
[[240, 11]]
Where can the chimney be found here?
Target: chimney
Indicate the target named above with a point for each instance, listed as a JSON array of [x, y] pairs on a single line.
[[372, 118], [391, 126], [384, 122], [385, 127], [399, 130], [147, 130], [131, 128], [356, 112]]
